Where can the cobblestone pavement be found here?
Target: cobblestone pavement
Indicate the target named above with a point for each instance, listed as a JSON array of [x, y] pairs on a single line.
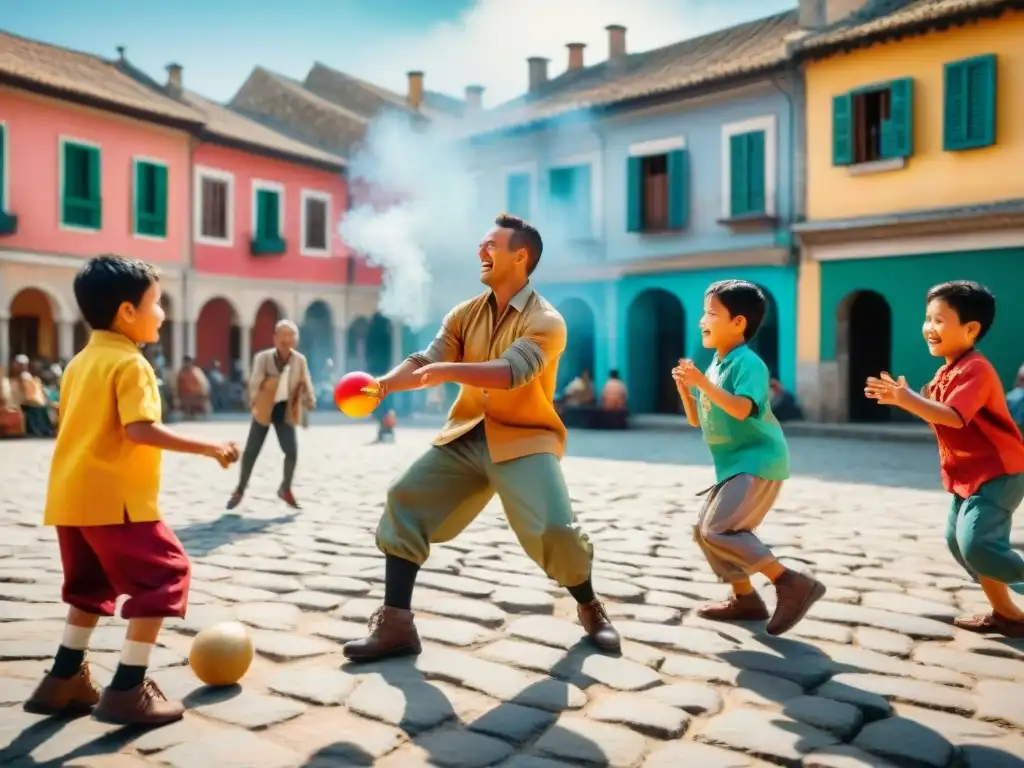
[[875, 676]]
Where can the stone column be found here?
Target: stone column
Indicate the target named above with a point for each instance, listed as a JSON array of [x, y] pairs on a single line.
[[65, 340], [340, 350], [245, 334], [190, 340], [178, 332], [5, 342]]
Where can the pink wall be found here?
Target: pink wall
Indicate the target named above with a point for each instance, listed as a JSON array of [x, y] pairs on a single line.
[[34, 126], [292, 265]]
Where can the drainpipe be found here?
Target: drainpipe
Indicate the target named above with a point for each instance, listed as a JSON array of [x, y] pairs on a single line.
[[795, 211], [188, 274]]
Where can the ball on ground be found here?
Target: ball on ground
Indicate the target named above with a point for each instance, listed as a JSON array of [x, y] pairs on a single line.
[[221, 654], [349, 395]]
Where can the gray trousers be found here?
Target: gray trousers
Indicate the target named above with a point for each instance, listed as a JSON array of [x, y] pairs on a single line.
[[286, 438], [724, 530]]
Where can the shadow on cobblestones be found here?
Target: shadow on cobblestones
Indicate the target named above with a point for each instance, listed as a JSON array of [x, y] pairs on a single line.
[[203, 538], [16, 755]]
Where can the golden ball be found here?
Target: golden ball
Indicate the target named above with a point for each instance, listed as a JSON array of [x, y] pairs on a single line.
[[221, 654]]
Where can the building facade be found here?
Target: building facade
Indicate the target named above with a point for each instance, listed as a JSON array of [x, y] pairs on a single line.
[[914, 127], [683, 169]]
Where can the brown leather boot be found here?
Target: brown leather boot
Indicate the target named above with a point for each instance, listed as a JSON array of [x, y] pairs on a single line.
[[737, 608], [797, 592], [235, 500], [288, 498], [392, 633], [75, 695], [145, 704], [598, 626]]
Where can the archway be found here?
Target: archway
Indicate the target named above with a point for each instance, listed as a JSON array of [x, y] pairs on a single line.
[[317, 339], [167, 333], [581, 335], [355, 346], [766, 342], [32, 330], [262, 335], [863, 348], [218, 337], [378, 345], [656, 332]]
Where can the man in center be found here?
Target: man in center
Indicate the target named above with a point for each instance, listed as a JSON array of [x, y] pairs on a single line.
[[502, 436]]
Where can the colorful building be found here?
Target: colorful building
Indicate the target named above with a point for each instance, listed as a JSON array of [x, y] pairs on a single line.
[[915, 132], [90, 162], [652, 175]]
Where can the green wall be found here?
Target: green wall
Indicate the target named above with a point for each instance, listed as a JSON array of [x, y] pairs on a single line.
[[904, 281]]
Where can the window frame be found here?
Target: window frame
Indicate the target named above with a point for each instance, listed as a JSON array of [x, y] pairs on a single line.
[[63, 142], [653, 148], [768, 124], [214, 174], [950, 143], [306, 195], [143, 160], [263, 185]]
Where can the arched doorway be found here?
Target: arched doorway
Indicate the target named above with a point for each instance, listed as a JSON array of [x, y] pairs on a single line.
[[656, 332], [167, 333], [356, 344], [218, 337], [32, 330], [581, 334], [378, 345], [863, 348], [766, 342], [317, 339], [262, 336]]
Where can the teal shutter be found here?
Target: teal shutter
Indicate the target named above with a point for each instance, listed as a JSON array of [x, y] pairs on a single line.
[[160, 212], [954, 124], [82, 204], [842, 129], [266, 215], [582, 201], [678, 188], [755, 172], [969, 109], [634, 194], [560, 184], [738, 201], [898, 130], [517, 194], [141, 222]]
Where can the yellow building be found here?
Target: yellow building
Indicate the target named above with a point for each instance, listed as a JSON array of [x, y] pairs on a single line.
[[915, 175]]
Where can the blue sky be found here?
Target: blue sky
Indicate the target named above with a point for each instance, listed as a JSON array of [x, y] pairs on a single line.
[[455, 42]]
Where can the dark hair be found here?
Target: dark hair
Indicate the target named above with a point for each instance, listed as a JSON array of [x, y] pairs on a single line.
[[523, 236], [972, 302], [742, 299], [106, 282], [613, 373]]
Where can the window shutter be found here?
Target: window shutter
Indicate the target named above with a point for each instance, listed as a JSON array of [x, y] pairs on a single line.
[[678, 188], [266, 214], [755, 172], [738, 162], [634, 194], [898, 130], [954, 128], [842, 129], [560, 184], [981, 101], [160, 212], [581, 201], [95, 189], [517, 194]]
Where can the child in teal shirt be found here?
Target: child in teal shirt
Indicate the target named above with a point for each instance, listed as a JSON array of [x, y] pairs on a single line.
[[730, 402]]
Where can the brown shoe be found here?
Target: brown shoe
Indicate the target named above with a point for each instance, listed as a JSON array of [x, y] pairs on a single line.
[[737, 608], [75, 695], [235, 500], [392, 633], [145, 704], [991, 623], [796, 593], [599, 627], [288, 498]]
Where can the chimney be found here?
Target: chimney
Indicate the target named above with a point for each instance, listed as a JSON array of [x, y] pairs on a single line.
[[474, 98], [120, 54], [811, 14], [538, 72], [415, 97], [576, 55], [174, 79], [616, 43]]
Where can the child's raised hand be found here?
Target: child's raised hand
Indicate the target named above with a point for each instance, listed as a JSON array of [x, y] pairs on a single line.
[[226, 454], [886, 390], [688, 374]]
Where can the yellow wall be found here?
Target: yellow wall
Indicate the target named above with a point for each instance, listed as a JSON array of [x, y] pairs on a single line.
[[932, 178]]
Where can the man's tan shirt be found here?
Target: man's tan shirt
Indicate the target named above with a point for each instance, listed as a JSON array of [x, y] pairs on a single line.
[[530, 336]]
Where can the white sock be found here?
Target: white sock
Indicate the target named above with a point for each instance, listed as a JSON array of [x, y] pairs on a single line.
[[134, 654], [76, 638]]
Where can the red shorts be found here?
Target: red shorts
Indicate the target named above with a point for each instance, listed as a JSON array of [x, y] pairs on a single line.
[[142, 560]]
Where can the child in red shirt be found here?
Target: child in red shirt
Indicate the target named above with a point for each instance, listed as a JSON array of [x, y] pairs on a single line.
[[981, 452]]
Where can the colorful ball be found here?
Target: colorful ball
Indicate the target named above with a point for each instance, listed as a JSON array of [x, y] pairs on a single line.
[[221, 654], [349, 395]]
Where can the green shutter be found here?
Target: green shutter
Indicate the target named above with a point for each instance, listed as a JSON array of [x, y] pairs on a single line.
[[634, 194], [82, 204], [517, 194], [678, 188], [95, 195], [160, 214], [738, 201], [142, 181], [842, 129], [898, 130], [560, 184], [970, 103], [267, 215], [755, 172], [150, 199]]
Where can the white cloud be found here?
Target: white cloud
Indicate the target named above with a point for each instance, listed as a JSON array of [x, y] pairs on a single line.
[[490, 43]]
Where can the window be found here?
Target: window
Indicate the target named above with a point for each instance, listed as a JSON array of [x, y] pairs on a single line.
[[747, 174], [969, 116], [316, 235], [657, 190], [150, 215], [81, 203], [214, 207], [268, 218], [518, 193], [873, 123], [569, 189]]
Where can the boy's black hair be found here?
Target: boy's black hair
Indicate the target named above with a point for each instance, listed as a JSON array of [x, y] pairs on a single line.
[[106, 282], [524, 235], [972, 302], [742, 299]]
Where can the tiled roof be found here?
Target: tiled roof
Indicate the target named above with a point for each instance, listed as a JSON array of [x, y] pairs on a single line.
[[227, 124], [368, 99], [84, 76], [286, 106], [735, 51], [879, 21]]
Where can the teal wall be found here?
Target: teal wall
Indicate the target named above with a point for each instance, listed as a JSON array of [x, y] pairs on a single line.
[[904, 281]]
